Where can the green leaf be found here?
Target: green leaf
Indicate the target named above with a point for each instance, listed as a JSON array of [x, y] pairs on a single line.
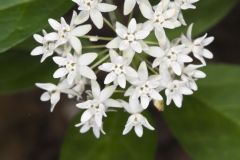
[[21, 71], [19, 19], [208, 125], [112, 146]]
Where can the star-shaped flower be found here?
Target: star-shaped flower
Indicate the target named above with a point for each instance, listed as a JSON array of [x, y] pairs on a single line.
[[164, 15], [175, 91], [96, 108], [74, 65], [169, 55], [186, 4], [119, 70], [130, 39], [191, 74], [65, 33], [136, 120], [198, 45], [93, 9], [144, 5], [46, 49], [53, 92], [145, 87]]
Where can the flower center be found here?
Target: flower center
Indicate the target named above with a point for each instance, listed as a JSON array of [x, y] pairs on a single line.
[[89, 3], [118, 69], [171, 56], [63, 33], [130, 37], [71, 66], [159, 18], [144, 89]]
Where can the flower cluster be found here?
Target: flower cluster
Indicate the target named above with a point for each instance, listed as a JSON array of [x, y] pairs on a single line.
[[139, 69]]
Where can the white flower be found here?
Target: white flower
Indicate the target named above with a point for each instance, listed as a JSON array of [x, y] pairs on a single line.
[[66, 33], [93, 9], [164, 16], [170, 55], [144, 87], [86, 126], [79, 87], [144, 5], [198, 45], [74, 65], [136, 120], [47, 47], [53, 92], [175, 91], [119, 70], [130, 39], [176, 74], [191, 74], [186, 4], [97, 107]]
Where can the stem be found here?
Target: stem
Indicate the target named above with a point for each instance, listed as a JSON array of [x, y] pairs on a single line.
[[101, 60], [100, 38], [119, 91], [94, 47], [151, 43], [130, 16], [109, 24], [148, 65], [112, 15]]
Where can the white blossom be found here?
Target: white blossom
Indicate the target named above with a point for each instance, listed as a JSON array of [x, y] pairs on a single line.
[[74, 65], [144, 87], [65, 33], [53, 92], [158, 67], [96, 108], [186, 4], [170, 55], [119, 70], [191, 74], [86, 126], [47, 47], [144, 5], [92, 9], [175, 91], [130, 39], [198, 45], [136, 120], [164, 16]]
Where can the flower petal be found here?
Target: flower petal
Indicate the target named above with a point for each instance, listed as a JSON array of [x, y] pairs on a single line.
[[87, 58], [110, 78], [87, 72], [81, 30], [59, 73], [97, 18], [107, 93]]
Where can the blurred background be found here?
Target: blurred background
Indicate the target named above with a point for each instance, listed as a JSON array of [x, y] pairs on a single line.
[[28, 131]]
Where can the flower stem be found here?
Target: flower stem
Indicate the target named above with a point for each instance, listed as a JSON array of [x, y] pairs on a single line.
[[130, 16], [94, 47], [119, 91], [101, 60], [99, 38], [148, 65], [151, 43], [112, 15], [109, 24]]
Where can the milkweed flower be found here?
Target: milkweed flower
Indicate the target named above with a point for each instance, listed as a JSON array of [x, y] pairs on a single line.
[[135, 66], [92, 9]]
